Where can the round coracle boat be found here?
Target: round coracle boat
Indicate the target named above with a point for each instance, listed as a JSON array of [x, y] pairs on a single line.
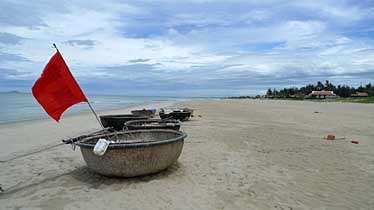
[[153, 124], [117, 121], [177, 114], [134, 153], [144, 112]]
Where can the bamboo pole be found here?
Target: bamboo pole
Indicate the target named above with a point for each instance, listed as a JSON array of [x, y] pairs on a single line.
[[88, 102]]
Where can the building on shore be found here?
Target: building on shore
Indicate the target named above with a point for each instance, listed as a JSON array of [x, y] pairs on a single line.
[[360, 94], [322, 94]]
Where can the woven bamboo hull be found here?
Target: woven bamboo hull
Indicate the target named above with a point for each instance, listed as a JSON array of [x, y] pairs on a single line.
[[118, 121], [182, 116], [152, 124], [135, 159], [143, 112]]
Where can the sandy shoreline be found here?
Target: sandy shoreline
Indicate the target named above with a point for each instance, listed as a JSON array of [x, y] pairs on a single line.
[[30, 135], [241, 154]]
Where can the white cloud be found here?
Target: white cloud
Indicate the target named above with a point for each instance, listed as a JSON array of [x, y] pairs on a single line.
[[194, 42]]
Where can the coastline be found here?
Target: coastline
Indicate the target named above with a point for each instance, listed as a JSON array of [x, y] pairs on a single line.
[[19, 137], [239, 154], [19, 107]]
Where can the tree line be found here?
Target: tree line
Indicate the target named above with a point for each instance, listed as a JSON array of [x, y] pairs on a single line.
[[343, 91]]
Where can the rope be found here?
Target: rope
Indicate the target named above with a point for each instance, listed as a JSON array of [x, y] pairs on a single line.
[[11, 190], [32, 153], [68, 141]]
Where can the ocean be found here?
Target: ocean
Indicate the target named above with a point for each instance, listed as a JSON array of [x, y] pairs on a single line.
[[16, 107]]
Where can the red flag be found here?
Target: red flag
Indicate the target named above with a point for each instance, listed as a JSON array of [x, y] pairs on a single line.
[[56, 89]]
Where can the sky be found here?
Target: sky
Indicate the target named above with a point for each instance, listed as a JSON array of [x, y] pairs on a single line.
[[188, 48]]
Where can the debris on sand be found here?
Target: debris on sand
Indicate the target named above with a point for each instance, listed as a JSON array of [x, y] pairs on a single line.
[[330, 137]]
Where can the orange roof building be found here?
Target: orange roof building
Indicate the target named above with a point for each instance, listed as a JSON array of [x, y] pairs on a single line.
[[360, 94], [322, 94]]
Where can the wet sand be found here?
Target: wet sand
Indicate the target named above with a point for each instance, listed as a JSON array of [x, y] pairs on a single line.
[[239, 154]]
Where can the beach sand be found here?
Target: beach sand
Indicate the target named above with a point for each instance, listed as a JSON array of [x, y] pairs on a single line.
[[239, 154]]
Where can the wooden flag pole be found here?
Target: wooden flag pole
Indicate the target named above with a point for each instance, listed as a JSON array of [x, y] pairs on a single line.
[[88, 102], [93, 111]]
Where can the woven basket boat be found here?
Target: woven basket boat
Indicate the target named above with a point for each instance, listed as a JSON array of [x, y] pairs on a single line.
[[144, 112], [135, 153], [177, 114], [118, 121], [153, 124]]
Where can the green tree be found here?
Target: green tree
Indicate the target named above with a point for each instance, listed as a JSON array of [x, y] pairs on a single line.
[[320, 86], [269, 92]]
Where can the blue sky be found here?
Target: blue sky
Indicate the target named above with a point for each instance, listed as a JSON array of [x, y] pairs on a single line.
[[191, 47]]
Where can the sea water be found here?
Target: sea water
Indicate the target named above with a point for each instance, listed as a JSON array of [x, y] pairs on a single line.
[[15, 107]]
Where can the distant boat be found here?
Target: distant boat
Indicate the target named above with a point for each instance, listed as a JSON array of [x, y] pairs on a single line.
[[117, 122], [144, 112], [176, 113]]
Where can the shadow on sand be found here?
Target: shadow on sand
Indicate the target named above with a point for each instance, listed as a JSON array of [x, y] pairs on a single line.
[[85, 176], [93, 180]]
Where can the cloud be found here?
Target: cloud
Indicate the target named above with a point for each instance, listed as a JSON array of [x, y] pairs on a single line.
[[7, 38], [28, 14], [199, 46], [83, 43], [4, 73], [6, 57], [136, 72], [12, 75], [140, 60]]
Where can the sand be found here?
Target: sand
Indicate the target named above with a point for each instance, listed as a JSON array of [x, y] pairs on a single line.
[[240, 154]]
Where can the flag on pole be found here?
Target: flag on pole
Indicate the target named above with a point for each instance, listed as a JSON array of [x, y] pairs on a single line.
[[56, 89]]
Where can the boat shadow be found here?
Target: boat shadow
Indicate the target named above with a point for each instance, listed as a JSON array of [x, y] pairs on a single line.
[[92, 179], [85, 176]]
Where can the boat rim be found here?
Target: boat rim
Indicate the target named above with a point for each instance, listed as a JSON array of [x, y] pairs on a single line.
[[183, 135], [121, 116], [146, 121]]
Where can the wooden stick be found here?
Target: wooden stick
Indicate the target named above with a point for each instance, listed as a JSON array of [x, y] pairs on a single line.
[[88, 102]]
